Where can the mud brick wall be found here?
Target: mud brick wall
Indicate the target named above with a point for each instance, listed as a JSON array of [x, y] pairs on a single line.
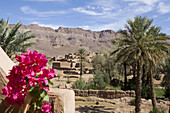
[[106, 94]]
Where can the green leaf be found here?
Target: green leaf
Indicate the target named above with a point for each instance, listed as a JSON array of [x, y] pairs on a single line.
[[49, 82], [31, 88], [44, 93], [35, 93], [39, 103], [43, 84], [27, 80], [46, 98]]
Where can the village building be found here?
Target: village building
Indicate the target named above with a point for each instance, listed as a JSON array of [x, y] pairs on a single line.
[[70, 64]]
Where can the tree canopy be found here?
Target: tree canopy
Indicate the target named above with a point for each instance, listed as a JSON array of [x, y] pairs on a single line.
[[14, 41], [141, 44]]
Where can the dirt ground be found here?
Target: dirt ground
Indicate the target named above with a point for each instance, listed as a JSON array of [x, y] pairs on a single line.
[[122, 105]]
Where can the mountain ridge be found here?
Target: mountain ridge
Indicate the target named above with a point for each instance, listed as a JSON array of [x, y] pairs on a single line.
[[64, 40]]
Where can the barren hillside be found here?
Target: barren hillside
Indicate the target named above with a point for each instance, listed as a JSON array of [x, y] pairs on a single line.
[[68, 40]]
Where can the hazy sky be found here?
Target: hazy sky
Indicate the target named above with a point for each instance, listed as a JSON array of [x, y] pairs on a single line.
[[94, 15]]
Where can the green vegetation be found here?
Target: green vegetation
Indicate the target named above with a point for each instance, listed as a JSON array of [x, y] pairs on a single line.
[[100, 80], [166, 79], [12, 40], [68, 80], [59, 76], [146, 91], [80, 84], [113, 88], [160, 93], [105, 70]]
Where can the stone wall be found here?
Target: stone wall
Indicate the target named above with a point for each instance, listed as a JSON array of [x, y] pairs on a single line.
[[106, 94]]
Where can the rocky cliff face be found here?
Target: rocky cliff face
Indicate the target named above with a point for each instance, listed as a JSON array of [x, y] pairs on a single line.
[[68, 40]]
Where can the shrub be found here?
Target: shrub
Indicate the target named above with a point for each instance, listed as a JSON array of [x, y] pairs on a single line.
[[116, 82], [146, 91], [80, 84], [130, 86], [91, 84], [68, 80], [101, 79], [166, 79], [166, 84]]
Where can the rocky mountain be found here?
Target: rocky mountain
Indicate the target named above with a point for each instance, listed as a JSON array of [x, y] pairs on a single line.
[[68, 40]]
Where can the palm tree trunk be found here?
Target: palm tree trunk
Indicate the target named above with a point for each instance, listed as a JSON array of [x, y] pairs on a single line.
[[138, 87], [134, 70], [148, 78], [143, 76], [153, 97], [125, 76], [81, 67]]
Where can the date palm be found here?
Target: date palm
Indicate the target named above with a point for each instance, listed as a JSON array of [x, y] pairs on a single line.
[[12, 40], [141, 42], [157, 49], [82, 54], [129, 49]]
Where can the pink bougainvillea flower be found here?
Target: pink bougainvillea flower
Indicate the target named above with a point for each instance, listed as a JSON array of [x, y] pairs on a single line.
[[46, 108], [31, 66]]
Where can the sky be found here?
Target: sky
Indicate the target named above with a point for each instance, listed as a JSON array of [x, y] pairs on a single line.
[[95, 15]]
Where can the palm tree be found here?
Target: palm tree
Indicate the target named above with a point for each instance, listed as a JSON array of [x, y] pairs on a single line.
[[157, 50], [129, 49], [12, 40], [139, 43], [82, 54], [122, 43]]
